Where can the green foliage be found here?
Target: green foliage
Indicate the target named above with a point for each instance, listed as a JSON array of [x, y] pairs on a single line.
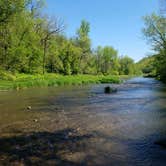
[[127, 66], [10, 7], [22, 81], [32, 44], [6, 76], [84, 43], [84, 29], [107, 60], [147, 66], [155, 32], [110, 79]]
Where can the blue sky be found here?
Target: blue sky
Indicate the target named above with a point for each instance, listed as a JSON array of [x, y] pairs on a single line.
[[113, 22]]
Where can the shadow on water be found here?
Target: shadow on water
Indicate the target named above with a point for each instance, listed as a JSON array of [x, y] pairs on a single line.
[[69, 148], [42, 148]]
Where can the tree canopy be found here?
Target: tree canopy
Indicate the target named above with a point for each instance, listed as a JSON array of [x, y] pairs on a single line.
[[33, 43], [155, 33]]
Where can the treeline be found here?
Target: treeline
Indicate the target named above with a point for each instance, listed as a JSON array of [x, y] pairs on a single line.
[[147, 66], [33, 43], [155, 32]]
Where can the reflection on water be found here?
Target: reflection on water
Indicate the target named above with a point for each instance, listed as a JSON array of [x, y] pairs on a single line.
[[83, 126]]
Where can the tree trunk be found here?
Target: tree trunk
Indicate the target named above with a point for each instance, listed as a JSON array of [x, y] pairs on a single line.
[[44, 56]]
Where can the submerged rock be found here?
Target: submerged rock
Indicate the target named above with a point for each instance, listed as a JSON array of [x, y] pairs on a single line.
[[161, 142], [29, 107], [35, 120], [108, 90]]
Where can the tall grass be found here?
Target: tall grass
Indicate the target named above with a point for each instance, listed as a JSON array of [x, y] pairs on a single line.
[[22, 81]]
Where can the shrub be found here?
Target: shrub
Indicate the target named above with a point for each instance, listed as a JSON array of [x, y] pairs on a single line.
[[7, 76]]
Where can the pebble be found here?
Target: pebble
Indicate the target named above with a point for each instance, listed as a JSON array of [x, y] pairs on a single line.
[[35, 120], [29, 108]]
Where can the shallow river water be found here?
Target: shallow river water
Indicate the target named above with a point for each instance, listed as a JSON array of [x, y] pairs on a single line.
[[80, 125]]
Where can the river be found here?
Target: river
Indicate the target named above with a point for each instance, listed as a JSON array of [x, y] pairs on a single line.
[[80, 125]]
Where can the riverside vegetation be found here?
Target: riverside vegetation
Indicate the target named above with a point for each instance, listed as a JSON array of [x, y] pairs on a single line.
[[155, 33], [21, 81], [35, 52]]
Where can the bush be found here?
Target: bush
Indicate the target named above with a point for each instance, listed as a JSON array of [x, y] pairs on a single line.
[[7, 76], [25, 81]]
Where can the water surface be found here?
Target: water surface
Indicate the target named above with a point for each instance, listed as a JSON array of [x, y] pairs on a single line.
[[80, 125]]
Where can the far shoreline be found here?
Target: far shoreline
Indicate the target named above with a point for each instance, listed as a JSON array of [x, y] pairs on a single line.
[[24, 81]]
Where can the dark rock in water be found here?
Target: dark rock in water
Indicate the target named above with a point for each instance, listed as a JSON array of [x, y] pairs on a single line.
[[108, 90], [29, 108], [56, 108], [35, 120], [161, 142]]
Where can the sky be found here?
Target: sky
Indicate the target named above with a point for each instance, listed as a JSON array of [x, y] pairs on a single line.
[[116, 23]]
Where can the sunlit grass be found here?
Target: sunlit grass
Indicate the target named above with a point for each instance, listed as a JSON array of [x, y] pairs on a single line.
[[22, 81]]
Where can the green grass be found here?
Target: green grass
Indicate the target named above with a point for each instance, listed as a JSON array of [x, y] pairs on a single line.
[[22, 81]]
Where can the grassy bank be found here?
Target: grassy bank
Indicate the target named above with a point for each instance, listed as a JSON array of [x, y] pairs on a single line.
[[21, 81]]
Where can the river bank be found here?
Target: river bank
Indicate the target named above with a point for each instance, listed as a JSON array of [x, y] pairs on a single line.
[[22, 81]]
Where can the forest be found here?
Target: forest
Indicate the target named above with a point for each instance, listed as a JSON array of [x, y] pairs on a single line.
[[155, 33], [33, 43]]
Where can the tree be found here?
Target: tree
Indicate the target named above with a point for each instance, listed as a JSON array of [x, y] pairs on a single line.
[[69, 56], [155, 32], [8, 10], [147, 66], [98, 59], [10, 7], [20, 44], [83, 41], [127, 66], [49, 29], [31, 43], [107, 60]]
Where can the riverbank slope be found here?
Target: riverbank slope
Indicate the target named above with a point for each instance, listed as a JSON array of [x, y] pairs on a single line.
[[21, 81]]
